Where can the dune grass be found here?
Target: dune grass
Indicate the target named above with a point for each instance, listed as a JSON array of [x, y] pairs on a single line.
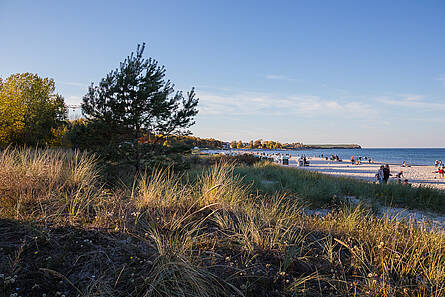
[[218, 233], [321, 190], [50, 182]]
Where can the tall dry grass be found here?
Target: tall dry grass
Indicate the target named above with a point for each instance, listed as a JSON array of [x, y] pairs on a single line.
[[388, 256], [272, 225], [48, 182], [210, 236], [219, 184]]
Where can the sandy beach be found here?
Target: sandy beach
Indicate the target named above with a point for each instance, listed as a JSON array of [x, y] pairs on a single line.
[[416, 175]]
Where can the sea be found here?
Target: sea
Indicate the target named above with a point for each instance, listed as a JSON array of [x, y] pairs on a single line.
[[412, 156]]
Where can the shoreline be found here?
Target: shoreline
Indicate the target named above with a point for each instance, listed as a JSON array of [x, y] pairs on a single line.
[[413, 158]]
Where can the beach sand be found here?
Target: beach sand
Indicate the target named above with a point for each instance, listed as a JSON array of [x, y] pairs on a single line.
[[416, 175]]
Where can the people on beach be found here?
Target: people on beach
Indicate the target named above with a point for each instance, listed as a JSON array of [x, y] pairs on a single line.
[[300, 161], [403, 164], [284, 159], [380, 174], [335, 158], [441, 172], [386, 173], [405, 182], [399, 176], [352, 160]]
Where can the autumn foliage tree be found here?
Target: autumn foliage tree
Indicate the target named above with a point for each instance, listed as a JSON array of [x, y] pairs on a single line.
[[136, 100], [30, 111]]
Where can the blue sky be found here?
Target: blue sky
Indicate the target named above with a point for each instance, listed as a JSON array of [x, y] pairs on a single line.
[[367, 72]]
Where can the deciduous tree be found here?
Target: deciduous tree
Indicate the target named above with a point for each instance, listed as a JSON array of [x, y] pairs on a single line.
[[257, 143], [30, 111]]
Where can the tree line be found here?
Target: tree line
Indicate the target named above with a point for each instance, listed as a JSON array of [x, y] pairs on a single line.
[[266, 144]]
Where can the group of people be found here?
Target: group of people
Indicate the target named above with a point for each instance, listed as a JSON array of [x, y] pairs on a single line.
[[358, 161], [384, 173], [302, 161], [440, 168], [331, 157], [335, 158]]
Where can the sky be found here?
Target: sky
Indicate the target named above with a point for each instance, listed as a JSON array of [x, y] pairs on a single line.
[[317, 72]]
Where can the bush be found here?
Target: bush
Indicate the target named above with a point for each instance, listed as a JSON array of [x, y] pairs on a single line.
[[209, 160]]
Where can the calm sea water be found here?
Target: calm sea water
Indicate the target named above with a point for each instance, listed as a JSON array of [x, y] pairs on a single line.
[[412, 156]]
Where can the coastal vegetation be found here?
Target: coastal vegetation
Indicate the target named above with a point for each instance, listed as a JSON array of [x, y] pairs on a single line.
[[115, 205], [211, 231]]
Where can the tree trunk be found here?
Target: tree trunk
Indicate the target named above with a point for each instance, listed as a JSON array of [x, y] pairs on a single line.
[[138, 152]]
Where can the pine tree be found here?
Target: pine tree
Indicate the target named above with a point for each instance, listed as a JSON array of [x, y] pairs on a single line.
[[135, 99]]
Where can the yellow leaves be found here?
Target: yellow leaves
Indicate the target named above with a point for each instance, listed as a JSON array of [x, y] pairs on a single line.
[[12, 113], [27, 101]]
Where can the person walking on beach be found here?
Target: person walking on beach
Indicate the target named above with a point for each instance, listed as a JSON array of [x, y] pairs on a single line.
[[441, 172], [386, 173], [380, 174]]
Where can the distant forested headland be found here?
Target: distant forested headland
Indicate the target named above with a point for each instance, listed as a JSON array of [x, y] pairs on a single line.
[[332, 146]]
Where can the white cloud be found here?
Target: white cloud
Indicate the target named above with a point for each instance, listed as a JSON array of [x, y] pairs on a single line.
[[280, 77], [411, 97], [412, 101], [73, 100], [73, 84], [250, 103]]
